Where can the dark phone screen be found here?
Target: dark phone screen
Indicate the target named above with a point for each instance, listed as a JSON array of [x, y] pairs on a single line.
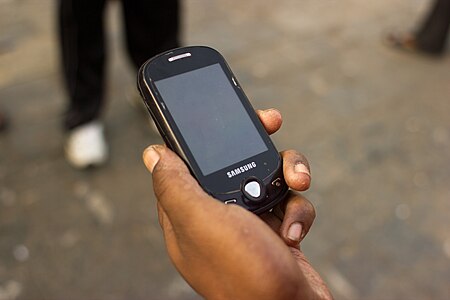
[[211, 118]]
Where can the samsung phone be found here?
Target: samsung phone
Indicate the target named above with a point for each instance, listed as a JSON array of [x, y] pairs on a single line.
[[204, 116]]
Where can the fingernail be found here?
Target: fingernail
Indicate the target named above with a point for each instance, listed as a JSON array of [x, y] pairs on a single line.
[[295, 232], [151, 158], [301, 168]]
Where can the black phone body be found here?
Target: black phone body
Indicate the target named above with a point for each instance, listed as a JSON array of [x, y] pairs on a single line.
[[204, 116]]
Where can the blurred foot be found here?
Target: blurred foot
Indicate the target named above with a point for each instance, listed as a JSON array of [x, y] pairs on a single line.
[[408, 42], [3, 122], [86, 146], [403, 41]]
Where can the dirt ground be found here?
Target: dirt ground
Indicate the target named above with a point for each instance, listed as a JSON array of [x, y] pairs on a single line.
[[374, 123]]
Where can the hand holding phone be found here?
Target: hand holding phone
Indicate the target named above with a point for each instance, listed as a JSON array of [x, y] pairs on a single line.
[[223, 250], [204, 116]]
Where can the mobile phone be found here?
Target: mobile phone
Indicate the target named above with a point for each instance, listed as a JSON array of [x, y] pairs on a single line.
[[204, 116]]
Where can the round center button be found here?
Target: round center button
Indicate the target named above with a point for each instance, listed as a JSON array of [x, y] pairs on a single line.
[[253, 189]]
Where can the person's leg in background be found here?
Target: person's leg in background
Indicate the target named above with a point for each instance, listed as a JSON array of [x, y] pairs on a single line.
[[151, 27], [81, 28], [432, 35]]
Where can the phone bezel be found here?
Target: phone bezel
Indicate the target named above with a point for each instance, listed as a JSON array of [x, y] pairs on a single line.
[[160, 67]]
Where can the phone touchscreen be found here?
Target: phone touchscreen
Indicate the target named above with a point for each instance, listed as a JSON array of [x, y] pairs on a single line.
[[211, 118]]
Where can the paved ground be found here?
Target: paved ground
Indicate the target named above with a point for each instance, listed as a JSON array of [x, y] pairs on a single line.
[[374, 123]]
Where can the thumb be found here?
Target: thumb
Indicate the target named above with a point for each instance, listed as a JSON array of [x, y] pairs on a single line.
[[177, 191]]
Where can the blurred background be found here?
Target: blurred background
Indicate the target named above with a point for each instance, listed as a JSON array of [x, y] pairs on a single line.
[[373, 121]]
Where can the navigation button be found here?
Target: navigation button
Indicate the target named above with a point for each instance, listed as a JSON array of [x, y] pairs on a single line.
[[253, 189]]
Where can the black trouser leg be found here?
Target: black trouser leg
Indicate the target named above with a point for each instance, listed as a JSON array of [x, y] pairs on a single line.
[[152, 26], [432, 35], [83, 58]]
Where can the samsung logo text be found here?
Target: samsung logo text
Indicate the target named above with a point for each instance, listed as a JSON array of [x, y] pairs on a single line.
[[242, 169]]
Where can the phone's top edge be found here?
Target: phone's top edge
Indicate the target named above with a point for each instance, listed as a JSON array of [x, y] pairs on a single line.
[[176, 51], [171, 53], [185, 48]]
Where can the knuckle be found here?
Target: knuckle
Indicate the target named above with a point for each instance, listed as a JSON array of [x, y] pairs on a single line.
[[310, 210], [303, 208], [313, 211]]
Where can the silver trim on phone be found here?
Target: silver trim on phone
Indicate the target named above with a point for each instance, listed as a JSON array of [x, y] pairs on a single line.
[[166, 124]]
